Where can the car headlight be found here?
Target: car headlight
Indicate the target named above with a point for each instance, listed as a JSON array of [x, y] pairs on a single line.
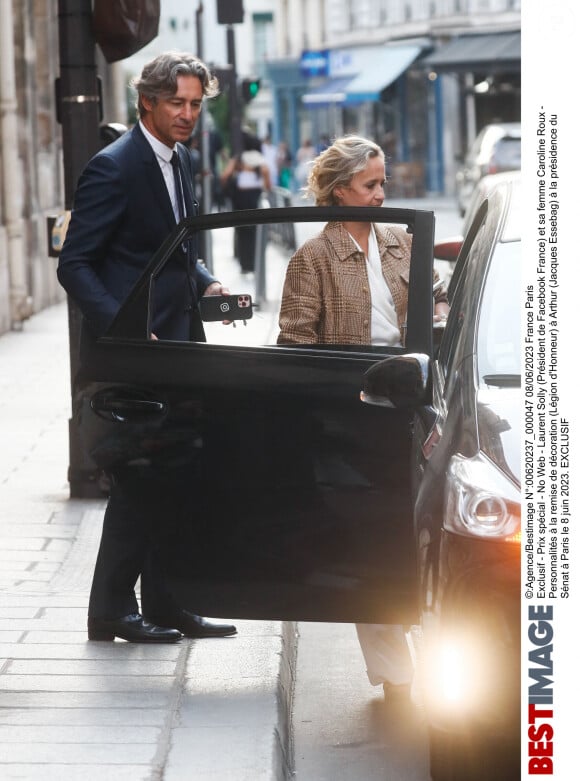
[[481, 501]]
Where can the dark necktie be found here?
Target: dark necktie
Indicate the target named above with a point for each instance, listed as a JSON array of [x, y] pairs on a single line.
[[178, 186], [186, 246]]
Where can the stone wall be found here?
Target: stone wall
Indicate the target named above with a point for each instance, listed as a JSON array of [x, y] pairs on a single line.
[[33, 188]]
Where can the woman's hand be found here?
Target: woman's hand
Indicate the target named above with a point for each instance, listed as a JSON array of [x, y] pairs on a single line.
[[440, 315]]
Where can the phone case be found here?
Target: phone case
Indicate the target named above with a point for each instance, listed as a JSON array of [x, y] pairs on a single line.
[[232, 307]]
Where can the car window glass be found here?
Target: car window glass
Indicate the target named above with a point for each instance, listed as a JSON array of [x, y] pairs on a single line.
[[467, 287], [262, 327], [453, 329], [344, 296], [470, 232], [498, 337], [507, 154], [265, 286]]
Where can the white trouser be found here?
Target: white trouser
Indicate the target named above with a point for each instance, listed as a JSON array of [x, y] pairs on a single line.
[[386, 653]]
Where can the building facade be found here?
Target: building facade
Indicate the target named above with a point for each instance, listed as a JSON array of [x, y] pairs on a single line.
[[32, 183], [30, 158], [32, 188], [421, 77]]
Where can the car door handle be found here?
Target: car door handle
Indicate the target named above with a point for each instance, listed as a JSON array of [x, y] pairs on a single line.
[[129, 405], [125, 407]]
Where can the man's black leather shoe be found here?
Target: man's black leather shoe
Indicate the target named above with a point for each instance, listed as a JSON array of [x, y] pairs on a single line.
[[196, 626], [133, 628]]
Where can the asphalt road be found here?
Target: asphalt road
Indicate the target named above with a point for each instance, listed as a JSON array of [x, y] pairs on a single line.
[[343, 728]]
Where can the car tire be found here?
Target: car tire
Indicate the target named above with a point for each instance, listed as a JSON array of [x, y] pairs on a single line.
[[461, 756]]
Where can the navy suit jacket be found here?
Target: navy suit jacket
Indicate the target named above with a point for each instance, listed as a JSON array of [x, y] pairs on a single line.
[[121, 215]]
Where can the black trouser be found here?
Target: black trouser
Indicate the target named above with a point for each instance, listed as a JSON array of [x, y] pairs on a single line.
[[147, 513], [246, 237]]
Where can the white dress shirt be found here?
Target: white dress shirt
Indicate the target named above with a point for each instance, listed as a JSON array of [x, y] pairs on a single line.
[[163, 154]]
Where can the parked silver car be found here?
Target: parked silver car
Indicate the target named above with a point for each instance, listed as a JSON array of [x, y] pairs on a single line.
[[497, 148]]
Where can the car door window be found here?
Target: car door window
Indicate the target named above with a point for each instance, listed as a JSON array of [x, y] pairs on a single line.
[[265, 285], [463, 288], [133, 319], [499, 337]]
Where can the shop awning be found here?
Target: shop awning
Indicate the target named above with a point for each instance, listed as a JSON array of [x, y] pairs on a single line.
[[331, 92], [473, 52], [380, 71]]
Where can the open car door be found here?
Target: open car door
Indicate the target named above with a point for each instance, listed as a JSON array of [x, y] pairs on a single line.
[[304, 500]]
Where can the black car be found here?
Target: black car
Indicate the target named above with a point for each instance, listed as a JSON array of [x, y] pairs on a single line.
[[467, 507], [333, 478]]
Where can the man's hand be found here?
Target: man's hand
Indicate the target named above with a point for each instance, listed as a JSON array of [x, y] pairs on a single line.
[[217, 289]]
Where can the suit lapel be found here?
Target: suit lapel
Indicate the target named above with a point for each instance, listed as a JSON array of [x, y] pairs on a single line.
[[154, 178], [187, 169]]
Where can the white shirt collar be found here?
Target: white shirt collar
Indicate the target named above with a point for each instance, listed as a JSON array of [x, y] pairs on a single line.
[[160, 149]]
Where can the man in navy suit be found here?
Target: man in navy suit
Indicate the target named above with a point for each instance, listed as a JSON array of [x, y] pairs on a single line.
[[129, 198]]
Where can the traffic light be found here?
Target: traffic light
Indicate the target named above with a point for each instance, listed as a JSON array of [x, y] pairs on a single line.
[[250, 88]]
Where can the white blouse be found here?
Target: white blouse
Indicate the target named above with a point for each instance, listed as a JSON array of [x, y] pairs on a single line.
[[384, 327]]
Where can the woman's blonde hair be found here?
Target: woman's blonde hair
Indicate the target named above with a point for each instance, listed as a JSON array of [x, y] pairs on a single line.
[[336, 165]]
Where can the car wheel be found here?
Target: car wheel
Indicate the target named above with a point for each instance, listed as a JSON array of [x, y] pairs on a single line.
[[461, 756]]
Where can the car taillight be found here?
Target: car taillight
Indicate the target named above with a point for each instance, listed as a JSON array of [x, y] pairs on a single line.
[[481, 501]]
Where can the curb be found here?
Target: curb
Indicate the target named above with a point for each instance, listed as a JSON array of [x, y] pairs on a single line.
[[284, 746]]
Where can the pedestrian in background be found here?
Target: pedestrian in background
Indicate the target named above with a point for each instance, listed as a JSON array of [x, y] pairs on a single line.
[[247, 177], [323, 143], [304, 157], [349, 285], [284, 163], [129, 198], [271, 157], [196, 166]]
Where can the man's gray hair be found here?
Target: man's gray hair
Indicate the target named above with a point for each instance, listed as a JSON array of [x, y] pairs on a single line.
[[159, 77]]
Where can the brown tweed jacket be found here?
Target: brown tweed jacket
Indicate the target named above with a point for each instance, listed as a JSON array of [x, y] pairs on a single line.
[[326, 296]]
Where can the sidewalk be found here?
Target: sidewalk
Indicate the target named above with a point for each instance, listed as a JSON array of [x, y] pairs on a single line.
[[69, 709]]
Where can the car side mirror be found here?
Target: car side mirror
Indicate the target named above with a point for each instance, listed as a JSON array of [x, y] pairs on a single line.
[[399, 382]]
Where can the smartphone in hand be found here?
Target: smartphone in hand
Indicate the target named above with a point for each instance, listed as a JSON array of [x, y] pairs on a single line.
[[232, 307]]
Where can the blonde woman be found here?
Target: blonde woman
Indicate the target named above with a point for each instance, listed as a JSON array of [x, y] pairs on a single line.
[[349, 285]]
